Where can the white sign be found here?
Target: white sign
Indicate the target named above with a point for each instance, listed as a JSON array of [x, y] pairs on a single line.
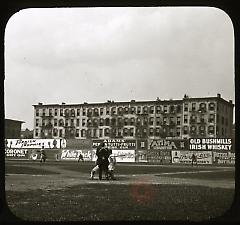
[[224, 157], [203, 157], [74, 154], [121, 155], [35, 143]]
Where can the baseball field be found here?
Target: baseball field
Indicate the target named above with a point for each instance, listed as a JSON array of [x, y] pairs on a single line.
[[63, 191]]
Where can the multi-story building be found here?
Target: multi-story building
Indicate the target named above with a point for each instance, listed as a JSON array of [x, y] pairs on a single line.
[[185, 118]]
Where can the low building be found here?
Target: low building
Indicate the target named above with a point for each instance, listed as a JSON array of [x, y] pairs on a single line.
[[13, 128]]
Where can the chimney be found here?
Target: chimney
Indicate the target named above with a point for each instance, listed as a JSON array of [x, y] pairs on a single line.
[[230, 101], [40, 103], [219, 95], [63, 103]]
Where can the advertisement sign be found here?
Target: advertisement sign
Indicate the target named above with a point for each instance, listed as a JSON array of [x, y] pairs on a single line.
[[16, 153], [159, 156], [69, 154], [35, 143], [203, 157], [210, 144], [224, 158], [116, 143], [121, 155], [168, 144], [141, 156]]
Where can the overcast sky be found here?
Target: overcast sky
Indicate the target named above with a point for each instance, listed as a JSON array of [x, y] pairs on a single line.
[[77, 55]]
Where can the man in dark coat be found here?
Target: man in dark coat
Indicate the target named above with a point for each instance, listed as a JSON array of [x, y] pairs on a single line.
[[102, 160]]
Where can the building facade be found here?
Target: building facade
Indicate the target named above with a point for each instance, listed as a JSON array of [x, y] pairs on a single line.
[[189, 117], [13, 128]]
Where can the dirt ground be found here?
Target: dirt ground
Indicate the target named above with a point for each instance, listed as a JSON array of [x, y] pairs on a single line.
[[66, 178]]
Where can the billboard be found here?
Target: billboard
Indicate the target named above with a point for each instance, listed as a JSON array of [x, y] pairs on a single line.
[[224, 158], [159, 156], [35, 143], [16, 153], [168, 144], [210, 144], [69, 154], [121, 155], [116, 143], [185, 157]]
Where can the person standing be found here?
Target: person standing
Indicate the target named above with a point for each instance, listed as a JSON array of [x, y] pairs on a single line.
[[42, 155], [194, 159], [102, 159]]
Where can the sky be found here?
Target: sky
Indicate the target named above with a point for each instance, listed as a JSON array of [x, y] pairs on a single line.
[[76, 55]]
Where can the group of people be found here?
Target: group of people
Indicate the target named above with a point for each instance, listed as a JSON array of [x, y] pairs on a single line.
[[105, 163]]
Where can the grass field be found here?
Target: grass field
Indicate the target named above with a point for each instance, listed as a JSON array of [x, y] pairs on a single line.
[[61, 191]]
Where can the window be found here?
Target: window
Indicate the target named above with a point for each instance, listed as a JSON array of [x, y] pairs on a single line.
[[36, 133], [193, 106], [77, 122], [89, 122], [106, 131], [43, 122], [107, 121], [84, 111], [151, 132], [89, 112], [101, 111], [43, 112], [185, 130], [113, 122], [83, 133], [113, 110], [211, 106], [151, 120], [185, 107], [145, 109], [185, 118], [72, 122], [145, 121], [107, 111], [139, 109], [55, 122], [100, 132], [151, 109], [72, 112], [202, 107], [126, 109], [55, 132], [157, 132], [120, 110], [125, 131], [158, 121], [172, 108], [165, 108], [50, 112], [178, 108], [132, 121], [211, 130], [125, 121], [61, 123], [61, 112], [138, 121], [37, 122], [101, 122], [55, 112], [172, 122], [77, 133], [164, 120], [66, 122], [78, 112], [37, 112], [211, 118], [131, 132], [133, 110], [178, 120], [60, 133], [96, 113], [158, 109], [178, 131], [83, 122], [66, 112]]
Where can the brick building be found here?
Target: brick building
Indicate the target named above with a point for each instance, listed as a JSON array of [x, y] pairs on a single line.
[[13, 128], [185, 118]]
